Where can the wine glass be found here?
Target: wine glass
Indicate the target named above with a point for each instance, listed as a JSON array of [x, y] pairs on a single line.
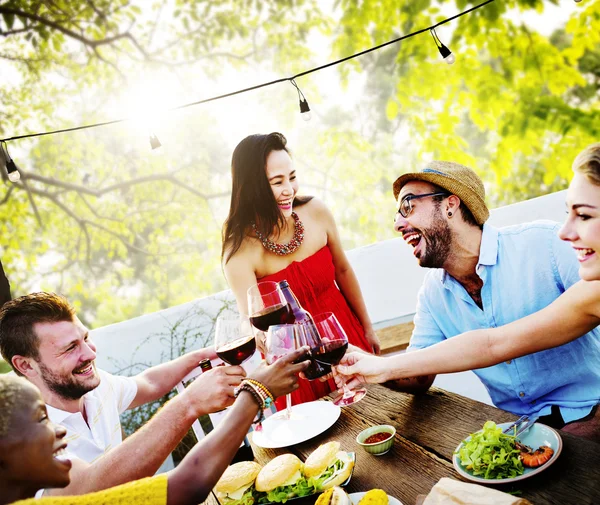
[[307, 335], [332, 348], [281, 340], [234, 339], [267, 305]]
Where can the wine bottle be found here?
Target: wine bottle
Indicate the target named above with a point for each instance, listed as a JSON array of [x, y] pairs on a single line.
[[300, 315], [244, 452]]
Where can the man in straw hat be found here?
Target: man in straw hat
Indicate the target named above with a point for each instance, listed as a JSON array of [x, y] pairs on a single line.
[[481, 277]]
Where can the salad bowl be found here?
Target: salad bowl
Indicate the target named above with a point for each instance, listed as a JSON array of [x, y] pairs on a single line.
[[536, 436]]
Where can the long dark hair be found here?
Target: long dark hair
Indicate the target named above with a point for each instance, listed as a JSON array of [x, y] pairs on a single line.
[[252, 198]]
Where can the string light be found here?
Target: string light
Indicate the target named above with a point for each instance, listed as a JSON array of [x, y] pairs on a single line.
[[304, 108], [449, 58], [154, 142], [11, 167]]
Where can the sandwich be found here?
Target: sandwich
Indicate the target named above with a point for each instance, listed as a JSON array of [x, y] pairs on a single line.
[[236, 485], [334, 496], [327, 466], [282, 479]]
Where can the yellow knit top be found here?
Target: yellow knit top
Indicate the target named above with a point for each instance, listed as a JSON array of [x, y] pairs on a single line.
[[148, 491]]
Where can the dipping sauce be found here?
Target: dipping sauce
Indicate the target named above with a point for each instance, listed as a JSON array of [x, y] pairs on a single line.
[[377, 437]]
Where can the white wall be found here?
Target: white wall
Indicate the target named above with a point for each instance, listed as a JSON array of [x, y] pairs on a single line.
[[389, 277]]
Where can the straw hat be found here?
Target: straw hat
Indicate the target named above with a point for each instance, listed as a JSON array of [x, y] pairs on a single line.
[[455, 178]]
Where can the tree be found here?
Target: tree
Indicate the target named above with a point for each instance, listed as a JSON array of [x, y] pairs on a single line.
[[123, 232]]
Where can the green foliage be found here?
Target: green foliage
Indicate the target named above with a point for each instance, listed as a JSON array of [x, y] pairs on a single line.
[[123, 232], [193, 330], [4, 367]]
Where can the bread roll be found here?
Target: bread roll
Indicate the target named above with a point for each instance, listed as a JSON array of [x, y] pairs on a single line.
[[236, 476], [321, 458], [278, 472]]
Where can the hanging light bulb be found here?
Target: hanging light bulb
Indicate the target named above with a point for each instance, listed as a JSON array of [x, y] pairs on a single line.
[[154, 142], [449, 58], [13, 171], [305, 110], [11, 167]]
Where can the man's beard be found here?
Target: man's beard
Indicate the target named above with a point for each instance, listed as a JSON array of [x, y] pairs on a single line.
[[65, 387], [438, 241]]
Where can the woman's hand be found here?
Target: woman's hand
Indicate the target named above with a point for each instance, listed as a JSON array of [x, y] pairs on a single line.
[[359, 368], [281, 377], [373, 340]]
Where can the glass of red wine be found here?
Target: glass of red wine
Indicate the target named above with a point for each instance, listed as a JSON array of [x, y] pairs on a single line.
[[234, 339], [330, 351], [267, 306]]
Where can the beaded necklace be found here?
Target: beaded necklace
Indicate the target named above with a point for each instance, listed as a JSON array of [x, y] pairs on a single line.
[[283, 249]]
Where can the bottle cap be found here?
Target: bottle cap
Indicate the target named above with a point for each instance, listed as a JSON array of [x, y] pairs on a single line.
[[283, 283], [205, 364]]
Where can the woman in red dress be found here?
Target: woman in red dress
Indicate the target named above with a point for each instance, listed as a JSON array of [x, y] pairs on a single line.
[[271, 234]]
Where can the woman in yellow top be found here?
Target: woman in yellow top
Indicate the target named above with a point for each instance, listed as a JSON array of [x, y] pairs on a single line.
[[31, 446], [573, 314]]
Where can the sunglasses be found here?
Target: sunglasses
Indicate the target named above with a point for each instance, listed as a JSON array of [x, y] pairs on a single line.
[[406, 205]]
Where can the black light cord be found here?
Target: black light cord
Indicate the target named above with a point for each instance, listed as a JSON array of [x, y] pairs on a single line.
[[263, 85]]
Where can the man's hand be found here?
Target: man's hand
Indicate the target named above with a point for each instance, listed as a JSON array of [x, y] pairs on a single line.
[[213, 390], [373, 340], [360, 368], [281, 377]]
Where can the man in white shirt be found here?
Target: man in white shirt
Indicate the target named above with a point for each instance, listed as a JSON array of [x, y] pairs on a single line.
[[44, 341]]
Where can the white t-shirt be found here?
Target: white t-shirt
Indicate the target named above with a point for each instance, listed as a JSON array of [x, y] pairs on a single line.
[[103, 406]]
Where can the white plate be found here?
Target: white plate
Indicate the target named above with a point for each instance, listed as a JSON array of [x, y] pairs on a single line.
[[308, 420], [356, 497], [537, 435]]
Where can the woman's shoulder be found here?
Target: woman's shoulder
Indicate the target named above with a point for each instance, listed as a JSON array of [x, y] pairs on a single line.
[[249, 250], [314, 206]]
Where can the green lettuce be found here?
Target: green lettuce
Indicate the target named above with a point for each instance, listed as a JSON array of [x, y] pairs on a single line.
[[317, 481], [491, 454], [283, 493], [247, 499]]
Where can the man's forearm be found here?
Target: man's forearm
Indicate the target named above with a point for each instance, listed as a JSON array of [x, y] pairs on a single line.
[[412, 384], [140, 455], [163, 378]]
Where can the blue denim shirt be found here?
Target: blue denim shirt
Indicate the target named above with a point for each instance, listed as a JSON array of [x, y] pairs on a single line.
[[523, 269]]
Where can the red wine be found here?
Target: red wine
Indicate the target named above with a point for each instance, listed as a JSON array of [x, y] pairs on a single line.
[[271, 316], [237, 351], [330, 352], [316, 370]]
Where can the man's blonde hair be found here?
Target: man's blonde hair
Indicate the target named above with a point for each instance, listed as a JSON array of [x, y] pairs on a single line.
[[587, 163]]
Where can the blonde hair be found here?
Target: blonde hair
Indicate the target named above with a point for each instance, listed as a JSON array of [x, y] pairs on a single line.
[[587, 162]]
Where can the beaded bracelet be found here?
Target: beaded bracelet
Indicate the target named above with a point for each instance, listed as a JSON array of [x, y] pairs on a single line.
[[263, 388], [266, 399], [257, 398]]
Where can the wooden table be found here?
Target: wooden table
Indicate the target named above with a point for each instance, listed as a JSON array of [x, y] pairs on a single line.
[[428, 429]]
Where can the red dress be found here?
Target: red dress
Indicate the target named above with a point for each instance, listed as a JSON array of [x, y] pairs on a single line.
[[313, 282]]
